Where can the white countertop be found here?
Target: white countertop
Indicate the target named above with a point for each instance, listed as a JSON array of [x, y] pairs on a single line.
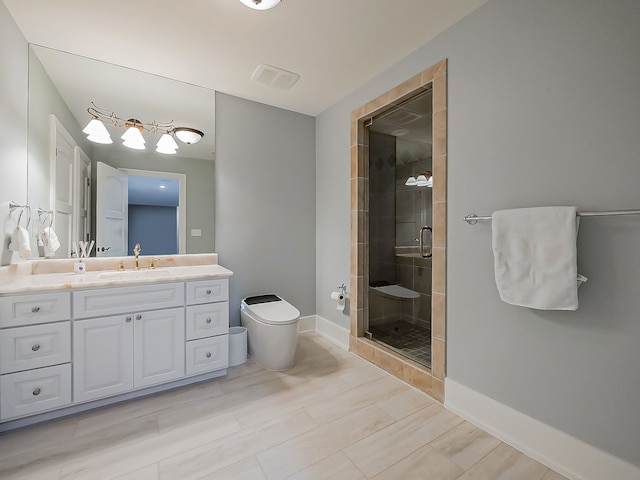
[[50, 275]]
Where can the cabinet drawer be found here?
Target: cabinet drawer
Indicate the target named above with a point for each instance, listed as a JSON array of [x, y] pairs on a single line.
[[207, 320], [34, 391], [207, 354], [115, 300], [35, 346], [19, 310], [206, 291]]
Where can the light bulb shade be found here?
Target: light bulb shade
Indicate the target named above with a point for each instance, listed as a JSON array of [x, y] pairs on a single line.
[[188, 135], [260, 4], [133, 138], [166, 145], [99, 139], [411, 181], [423, 181], [97, 132]]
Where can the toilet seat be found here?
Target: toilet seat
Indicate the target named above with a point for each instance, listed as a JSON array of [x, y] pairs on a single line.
[[272, 312]]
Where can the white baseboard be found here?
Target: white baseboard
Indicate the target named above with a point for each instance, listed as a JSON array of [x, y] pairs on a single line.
[[335, 333], [557, 450], [307, 324]]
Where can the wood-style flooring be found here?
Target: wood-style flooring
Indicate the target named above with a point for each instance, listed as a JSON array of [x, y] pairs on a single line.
[[332, 416]]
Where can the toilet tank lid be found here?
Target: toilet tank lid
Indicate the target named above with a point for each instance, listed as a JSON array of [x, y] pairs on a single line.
[[272, 311]]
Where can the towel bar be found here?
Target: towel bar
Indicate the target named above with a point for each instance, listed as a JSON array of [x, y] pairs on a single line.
[[472, 218]]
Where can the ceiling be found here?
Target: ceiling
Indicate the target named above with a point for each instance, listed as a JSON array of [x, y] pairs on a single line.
[[334, 45]]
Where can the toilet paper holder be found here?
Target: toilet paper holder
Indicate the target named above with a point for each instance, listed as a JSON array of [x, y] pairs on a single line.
[[342, 288]]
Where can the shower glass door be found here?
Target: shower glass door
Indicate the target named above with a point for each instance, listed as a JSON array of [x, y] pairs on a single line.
[[398, 310]]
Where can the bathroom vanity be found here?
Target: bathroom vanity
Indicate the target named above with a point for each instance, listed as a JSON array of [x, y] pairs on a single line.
[[71, 342]]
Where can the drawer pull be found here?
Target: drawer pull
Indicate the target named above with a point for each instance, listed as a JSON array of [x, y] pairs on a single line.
[[36, 392], [35, 348], [208, 354], [128, 319], [208, 292], [138, 317], [35, 309], [208, 320]]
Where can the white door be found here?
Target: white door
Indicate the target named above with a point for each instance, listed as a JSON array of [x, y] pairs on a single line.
[[82, 196], [159, 348], [61, 171], [103, 357], [112, 211]]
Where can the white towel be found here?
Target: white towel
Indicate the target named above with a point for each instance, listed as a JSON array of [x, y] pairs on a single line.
[[20, 242], [51, 242], [535, 257]]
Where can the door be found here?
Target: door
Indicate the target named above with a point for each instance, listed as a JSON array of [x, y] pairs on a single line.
[[61, 171], [103, 357], [112, 205], [81, 196], [159, 348]]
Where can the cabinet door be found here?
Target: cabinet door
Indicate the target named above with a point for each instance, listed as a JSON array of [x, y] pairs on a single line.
[[103, 357], [158, 346]]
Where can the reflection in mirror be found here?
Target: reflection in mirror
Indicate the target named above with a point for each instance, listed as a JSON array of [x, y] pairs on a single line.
[[63, 163]]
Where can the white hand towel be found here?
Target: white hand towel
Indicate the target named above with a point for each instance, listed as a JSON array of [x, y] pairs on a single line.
[[20, 242], [51, 241], [535, 257]]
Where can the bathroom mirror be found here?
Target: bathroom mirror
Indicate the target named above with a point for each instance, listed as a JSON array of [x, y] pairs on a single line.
[[62, 86]]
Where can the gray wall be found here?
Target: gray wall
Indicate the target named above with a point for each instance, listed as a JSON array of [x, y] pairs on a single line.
[[265, 202], [543, 110], [13, 125]]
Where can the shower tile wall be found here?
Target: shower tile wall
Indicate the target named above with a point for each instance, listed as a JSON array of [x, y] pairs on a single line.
[[413, 210], [396, 213]]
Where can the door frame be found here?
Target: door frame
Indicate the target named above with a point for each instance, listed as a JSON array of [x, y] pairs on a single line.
[[182, 199], [429, 380]]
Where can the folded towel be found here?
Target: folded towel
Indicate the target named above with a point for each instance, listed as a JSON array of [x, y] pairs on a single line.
[[20, 242], [535, 257], [51, 242]]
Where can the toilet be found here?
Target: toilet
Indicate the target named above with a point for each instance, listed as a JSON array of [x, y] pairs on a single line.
[[272, 330]]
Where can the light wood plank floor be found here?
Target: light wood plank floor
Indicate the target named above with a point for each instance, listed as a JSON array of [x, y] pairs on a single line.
[[332, 416]]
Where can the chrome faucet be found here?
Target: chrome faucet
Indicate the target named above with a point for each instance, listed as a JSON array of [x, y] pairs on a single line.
[[136, 252]]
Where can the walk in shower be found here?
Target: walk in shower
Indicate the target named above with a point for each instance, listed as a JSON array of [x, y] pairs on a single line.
[[398, 311]]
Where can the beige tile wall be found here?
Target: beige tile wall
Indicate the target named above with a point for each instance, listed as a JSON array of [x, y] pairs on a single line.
[[428, 380]]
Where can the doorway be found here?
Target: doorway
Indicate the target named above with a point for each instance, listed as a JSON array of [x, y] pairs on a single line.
[[427, 376], [400, 218]]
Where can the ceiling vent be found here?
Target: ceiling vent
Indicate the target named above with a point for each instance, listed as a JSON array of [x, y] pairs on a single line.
[[275, 77]]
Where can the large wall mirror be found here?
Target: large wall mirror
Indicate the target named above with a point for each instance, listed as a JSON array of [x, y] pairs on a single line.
[[168, 198]]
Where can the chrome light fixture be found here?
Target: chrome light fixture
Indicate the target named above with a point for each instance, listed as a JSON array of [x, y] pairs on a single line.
[[134, 128], [260, 4]]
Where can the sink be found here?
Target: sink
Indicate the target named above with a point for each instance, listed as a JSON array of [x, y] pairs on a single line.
[[144, 272]]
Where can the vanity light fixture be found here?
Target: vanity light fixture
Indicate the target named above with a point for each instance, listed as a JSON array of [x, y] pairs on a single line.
[[260, 4], [425, 179], [134, 128]]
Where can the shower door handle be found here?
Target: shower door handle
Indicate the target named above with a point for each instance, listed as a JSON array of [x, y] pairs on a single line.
[[422, 230]]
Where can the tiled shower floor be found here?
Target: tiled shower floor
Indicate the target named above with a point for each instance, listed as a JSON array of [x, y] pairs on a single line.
[[411, 340]]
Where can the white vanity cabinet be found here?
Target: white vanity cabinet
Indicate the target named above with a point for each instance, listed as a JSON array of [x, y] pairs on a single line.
[[207, 318], [35, 353], [130, 350], [67, 351]]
